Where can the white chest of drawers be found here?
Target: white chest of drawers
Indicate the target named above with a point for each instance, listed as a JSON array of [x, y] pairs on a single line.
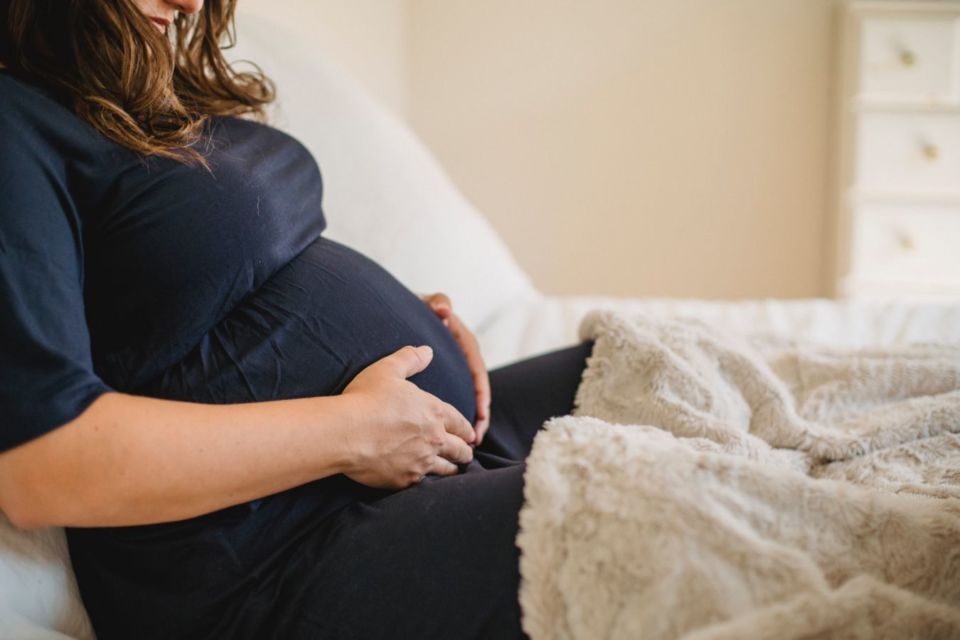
[[897, 223]]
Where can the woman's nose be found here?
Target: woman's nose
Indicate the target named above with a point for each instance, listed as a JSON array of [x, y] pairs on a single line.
[[188, 7]]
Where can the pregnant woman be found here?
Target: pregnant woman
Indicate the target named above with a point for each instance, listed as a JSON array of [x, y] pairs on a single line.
[[248, 429]]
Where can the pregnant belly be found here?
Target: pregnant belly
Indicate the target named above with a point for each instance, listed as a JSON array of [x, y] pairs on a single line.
[[307, 331], [310, 329]]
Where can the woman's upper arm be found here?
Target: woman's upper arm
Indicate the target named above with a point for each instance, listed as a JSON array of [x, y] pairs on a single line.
[[46, 370]]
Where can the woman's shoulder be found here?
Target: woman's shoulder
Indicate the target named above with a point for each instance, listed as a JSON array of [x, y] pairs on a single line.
[[252, 126], [32, 114], [12, 88], [40, 130], [24, 114], [255, 135], [22, 99]]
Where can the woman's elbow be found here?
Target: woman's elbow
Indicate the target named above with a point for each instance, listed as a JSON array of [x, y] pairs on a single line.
[[23, 517], [24, 494], [22, 509], [41, 484]]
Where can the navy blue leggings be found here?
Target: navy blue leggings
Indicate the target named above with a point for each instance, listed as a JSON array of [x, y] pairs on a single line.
[[437, 560]]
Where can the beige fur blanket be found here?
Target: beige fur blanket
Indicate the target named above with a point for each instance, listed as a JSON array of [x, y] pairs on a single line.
[[717, 486]]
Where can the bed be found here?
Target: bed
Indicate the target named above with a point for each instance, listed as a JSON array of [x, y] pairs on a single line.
[[386, 194]]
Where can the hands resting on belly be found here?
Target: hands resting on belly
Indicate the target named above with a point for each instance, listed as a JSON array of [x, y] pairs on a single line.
[[441, 305], [408, 433], [178, 460]]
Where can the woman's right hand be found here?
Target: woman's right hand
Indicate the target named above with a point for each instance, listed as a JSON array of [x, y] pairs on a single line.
[[402, 433]]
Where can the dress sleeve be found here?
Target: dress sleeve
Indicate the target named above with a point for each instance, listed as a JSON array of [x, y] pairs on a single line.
[[46, 370]]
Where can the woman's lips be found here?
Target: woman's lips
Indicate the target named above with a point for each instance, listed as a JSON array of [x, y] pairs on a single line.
[[162, 23]]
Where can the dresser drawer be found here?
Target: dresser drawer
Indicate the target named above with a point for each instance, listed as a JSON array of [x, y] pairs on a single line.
[[902, 244], [909, 152], [906, 59]]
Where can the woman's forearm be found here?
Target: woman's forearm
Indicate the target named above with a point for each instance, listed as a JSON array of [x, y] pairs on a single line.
[[133, 460]]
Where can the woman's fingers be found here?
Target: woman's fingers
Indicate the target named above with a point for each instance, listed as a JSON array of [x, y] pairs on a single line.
[[455, 450], [457, 425], [439, 303], [440, 299], [443, 467], [481, 382], [407, 361], [481, 427], [443, 308], [478, 371]]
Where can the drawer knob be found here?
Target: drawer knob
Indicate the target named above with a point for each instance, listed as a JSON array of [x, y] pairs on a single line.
[[905, 241], [908, 58], [931, 152]]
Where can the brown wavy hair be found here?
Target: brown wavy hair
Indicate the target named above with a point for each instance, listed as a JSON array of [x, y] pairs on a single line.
[[142, 89]]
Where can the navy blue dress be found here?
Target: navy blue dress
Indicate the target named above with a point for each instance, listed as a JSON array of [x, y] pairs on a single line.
[[155, 278]]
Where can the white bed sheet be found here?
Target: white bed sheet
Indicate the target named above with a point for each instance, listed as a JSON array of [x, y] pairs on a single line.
[[537, 323]]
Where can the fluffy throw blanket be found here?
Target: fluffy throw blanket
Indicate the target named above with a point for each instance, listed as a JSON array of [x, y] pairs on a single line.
[[718, 486]]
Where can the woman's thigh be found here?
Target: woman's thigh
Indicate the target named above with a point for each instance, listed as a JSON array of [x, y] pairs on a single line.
[[437, 560], [527, 393]]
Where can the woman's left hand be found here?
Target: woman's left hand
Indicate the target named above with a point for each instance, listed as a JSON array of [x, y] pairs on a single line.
[[441, 305]]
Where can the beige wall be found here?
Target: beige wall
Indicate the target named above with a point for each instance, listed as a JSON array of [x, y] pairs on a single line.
[[367, 38], [638, 147]]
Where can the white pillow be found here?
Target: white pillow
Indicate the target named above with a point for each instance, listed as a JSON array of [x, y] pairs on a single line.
[[384, 194], [39, 599]]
